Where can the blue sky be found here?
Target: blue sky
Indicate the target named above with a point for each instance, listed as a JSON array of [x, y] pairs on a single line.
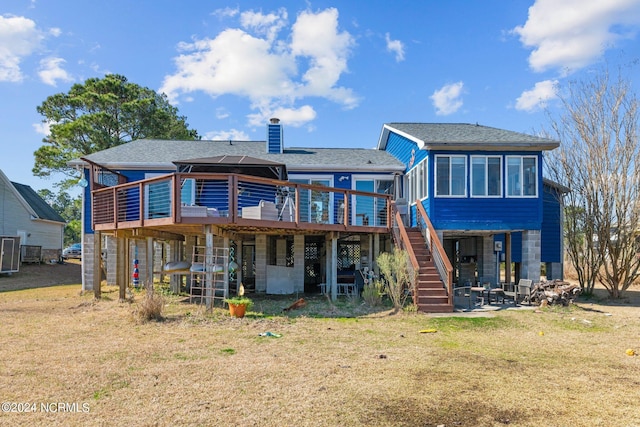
[[333, 72]]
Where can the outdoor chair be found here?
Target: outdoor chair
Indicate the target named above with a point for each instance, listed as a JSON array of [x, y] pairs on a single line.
[[462, 296], [497, 293], [524, 290], [510, 291]]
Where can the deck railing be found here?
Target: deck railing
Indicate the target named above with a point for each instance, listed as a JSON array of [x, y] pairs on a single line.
[[205, 198], [440, 259]]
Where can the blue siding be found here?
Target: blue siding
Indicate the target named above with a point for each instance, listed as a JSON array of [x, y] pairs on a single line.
[[274, 138], [404, 150], [516, 245], [484, 213], [551, 233]]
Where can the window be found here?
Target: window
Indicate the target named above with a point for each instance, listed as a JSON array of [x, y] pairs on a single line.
[[188, 191], [486, 176], [522, 176], [418, 182], [451, 175], [371, 210]]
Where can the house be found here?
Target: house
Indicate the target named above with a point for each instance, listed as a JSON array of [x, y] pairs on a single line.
[[281, 220], [25, 215], [484, 192], [292, 219]]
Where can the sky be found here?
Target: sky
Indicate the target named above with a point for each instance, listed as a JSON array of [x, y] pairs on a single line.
[[333, 72]]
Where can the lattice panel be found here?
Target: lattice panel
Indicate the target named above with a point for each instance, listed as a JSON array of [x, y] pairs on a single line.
[[348, 254]]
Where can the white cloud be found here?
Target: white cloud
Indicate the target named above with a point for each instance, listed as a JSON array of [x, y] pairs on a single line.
[[536, 98], [294, 117], [234, 63], [51, 71], [43, 128], [571, 34], [222, 113], [227, 12], [447, 99], [19, 38], [268, 25], [395, 46], [316, 38], [55, 32], [226, 135], [272, 71]]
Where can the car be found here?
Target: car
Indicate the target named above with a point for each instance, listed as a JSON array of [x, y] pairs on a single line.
[[73, 251]]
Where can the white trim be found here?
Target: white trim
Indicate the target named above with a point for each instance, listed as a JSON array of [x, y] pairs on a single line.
[[421, 188], [17, 194], [419, 142], [435, 175], [311, 177], [486, 194], [521, 175], [367, 178], [293, 167], [316, 177]]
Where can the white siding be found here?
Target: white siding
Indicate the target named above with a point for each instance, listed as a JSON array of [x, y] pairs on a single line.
[[15, 216]]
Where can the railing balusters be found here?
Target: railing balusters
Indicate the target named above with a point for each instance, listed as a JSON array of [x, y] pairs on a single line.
[[443, 265], [401, 240], [162, 201]]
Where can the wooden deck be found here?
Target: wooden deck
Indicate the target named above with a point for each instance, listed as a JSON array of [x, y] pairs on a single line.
[[186, 204]]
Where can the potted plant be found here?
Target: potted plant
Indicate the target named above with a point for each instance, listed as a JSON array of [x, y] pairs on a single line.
[[239, 304]]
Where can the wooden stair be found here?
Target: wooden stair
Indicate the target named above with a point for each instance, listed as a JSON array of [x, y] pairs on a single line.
[[431, 296]]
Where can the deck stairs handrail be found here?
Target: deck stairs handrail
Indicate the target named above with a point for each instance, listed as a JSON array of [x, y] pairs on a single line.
[[401, 240], [442, 263]]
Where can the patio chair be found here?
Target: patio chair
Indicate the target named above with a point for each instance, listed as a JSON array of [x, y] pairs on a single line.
[[509, 291], [462, 296], [524, 290], [497, 293]]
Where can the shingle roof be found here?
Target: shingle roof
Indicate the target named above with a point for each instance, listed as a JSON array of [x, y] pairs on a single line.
[[42, 209], [161, 153], [448, 135]]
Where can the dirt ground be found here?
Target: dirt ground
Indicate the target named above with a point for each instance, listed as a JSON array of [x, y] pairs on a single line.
[[42, 275]]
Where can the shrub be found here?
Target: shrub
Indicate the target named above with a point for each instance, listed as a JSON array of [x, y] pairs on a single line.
[[372, 293], [398, 278], [150, 308]]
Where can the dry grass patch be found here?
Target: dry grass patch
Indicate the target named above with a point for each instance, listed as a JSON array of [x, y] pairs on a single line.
[[149, 308], [335, 364]]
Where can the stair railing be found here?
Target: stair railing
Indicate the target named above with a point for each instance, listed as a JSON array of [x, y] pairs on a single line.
[[440, 259], [401, 240]]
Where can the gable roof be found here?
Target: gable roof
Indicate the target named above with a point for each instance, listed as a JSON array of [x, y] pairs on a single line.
[[160, 154], [39, 206], [464, 136]]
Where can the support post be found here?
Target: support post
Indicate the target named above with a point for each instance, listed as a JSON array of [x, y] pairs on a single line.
[[238, 261], [97, 271], [507, 258], [332, 265], [208, 262], [149, 261], [225, 268]]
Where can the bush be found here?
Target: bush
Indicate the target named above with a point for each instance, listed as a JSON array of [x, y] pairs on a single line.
[[399, 279], [372, 293], [150, 308]]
